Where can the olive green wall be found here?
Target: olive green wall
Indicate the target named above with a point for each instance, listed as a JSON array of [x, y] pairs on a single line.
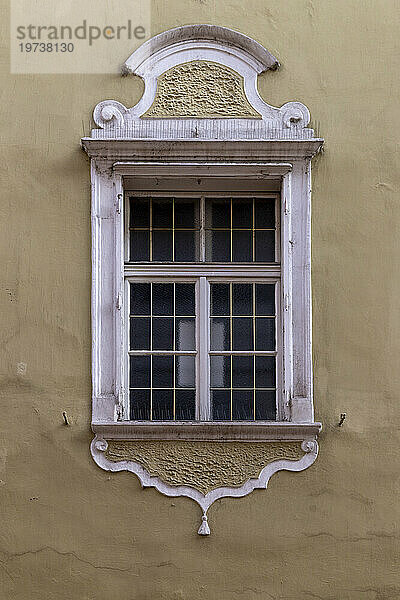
[[70, 530]]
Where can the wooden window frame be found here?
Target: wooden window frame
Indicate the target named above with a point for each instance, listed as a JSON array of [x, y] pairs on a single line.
[[110, 273]]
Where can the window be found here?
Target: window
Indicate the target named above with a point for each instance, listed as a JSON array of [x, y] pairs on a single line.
[[230, 372], [201, 287]]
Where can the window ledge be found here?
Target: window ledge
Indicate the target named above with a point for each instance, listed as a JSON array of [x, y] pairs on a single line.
[[206, 430]]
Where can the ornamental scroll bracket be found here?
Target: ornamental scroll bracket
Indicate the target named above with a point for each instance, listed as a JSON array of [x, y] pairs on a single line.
[[204, 471]]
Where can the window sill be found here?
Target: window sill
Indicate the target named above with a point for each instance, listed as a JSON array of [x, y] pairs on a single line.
[[206, 430]]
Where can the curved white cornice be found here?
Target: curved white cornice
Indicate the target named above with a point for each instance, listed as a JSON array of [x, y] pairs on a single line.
[[197, 34]]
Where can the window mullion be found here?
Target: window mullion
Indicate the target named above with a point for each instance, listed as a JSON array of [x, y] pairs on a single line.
[[203, 374]]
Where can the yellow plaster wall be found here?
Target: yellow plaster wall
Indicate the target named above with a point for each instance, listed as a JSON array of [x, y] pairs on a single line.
[[70, 531]]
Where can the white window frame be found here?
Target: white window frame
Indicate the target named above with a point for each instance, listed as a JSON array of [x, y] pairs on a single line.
[[108, 319]]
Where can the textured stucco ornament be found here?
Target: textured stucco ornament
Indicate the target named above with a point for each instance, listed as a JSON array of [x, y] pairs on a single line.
[[201, 89], [205, 466]]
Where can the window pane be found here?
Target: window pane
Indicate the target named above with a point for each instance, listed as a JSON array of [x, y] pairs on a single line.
[[265, 334], [265, 299], [185, 247], [242, 297], [242, 212], [185, 299], [185, 405], [265, 213], [162, 212], [163, 333], [265, 371], [220, 333], [185, 334], [163, 299], [265, 406], [139, 372], [218, 246], [139, 212], [220, 370], [139, 401], [139, 245], [242, 406], [163, 371], [184, 212], [220, 302], [242, 372], [185, 371], [218, 212], [140, 299], [242, 335], [140, 334], [265, 246], [221, 405], [162, 245], [242, 246], [163, 405]]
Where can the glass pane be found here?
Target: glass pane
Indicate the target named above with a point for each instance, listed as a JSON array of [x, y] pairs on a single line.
[[218, 212], [242, 406], [265, 371], [242, 297], [163, 299], [140, 334], [185, 299], [185, 371], [162, 245], [185, 334], [139, 372], [220, 299], [265, 406], [163, 333], [242, 212], [265, 246], [139, 246], [184, 212], [218, 246], [242, 334], [163, 405], [265, 334], [163, 371], [185, 405], [242, 246], [242, 372], [139, 212], [220, 333], [265, 213], [185, 247], [139, 401], [221, 405], [220, 370], [140, 299], [162, 212], [265, 299]]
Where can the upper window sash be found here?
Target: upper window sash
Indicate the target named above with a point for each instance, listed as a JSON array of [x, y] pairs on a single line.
[[189, 228]]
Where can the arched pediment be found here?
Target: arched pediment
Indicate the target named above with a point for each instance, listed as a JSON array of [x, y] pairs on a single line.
[[201, 83]]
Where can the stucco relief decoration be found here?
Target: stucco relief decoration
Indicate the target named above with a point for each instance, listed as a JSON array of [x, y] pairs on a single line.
[[204, 466], [201, 89]]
